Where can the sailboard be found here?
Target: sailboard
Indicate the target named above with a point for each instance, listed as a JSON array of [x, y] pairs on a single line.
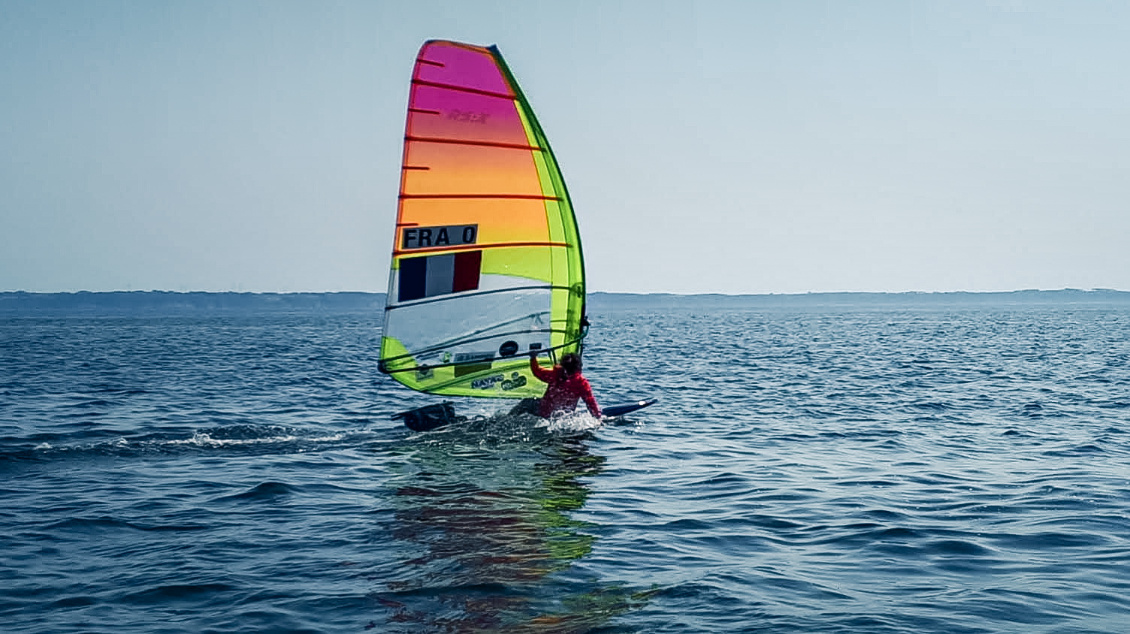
[[487, 265]]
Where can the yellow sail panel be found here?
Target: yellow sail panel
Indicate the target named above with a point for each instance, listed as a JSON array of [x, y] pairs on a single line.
[[486, 261]]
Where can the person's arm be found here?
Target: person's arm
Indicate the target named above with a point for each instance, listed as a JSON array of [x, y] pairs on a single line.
[[590, 400], [545, 375]]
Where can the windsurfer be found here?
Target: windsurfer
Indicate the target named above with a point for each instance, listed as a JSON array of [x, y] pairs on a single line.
[[566, 385]]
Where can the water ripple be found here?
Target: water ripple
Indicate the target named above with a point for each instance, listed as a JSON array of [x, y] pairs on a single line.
[[833, 470]]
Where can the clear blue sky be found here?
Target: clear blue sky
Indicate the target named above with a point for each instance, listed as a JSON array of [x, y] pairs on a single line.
[[735, 147]]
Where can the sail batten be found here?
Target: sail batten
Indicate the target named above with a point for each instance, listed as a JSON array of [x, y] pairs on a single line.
[[543, 287], [486, 260], [498, 196], [510, 146], [474, 91]]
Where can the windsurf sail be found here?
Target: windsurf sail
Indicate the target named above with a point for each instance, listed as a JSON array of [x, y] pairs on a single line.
[[486, 262]]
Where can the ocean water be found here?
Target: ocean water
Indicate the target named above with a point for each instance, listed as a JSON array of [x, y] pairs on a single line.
[[941, 468]]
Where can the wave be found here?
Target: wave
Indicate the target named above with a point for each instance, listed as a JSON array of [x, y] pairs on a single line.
[[244, 439]]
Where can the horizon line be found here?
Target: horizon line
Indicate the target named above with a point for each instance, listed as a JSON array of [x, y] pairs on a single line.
[[651, 293]]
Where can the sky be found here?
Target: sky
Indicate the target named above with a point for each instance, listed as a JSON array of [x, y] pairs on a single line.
[[709, 147]]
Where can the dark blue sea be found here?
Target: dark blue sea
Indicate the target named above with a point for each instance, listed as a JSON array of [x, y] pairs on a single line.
[[815, 464]]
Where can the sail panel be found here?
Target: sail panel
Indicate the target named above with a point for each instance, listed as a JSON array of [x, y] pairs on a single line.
[[469, 170], [461, 65], [442, 113], [525, 218], [487, 258]]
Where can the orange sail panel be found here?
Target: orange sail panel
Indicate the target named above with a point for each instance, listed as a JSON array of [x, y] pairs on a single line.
[[486, 262]]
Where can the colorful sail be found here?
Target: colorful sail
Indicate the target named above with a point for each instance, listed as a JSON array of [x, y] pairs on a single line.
[[486, 263]]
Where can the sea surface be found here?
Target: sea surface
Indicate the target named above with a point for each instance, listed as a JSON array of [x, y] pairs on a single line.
[[939, 466]]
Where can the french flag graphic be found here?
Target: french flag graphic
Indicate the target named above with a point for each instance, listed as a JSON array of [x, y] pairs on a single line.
[[439, 275]]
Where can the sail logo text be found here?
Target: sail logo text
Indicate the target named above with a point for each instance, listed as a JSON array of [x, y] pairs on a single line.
[[505, 384], [467, 116], [430, 237]]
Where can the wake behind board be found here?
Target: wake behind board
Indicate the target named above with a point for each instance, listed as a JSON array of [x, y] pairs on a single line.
[[438, 415]]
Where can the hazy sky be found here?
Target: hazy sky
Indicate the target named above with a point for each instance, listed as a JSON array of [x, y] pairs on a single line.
[[735, 147]]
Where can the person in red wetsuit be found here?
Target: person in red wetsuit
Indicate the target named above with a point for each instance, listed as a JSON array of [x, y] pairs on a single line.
[[566, 385]]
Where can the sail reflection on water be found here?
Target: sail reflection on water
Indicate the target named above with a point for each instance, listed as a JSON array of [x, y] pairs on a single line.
[[483, 524]]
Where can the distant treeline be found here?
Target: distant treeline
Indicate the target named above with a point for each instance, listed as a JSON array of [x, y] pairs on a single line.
[[877, 301], [166, 302], [172, 303]]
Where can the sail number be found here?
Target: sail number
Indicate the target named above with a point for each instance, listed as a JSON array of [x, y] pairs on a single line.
[[430, 237]]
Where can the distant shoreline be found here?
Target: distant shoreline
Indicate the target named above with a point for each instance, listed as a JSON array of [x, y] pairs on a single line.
[[16, 303]]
